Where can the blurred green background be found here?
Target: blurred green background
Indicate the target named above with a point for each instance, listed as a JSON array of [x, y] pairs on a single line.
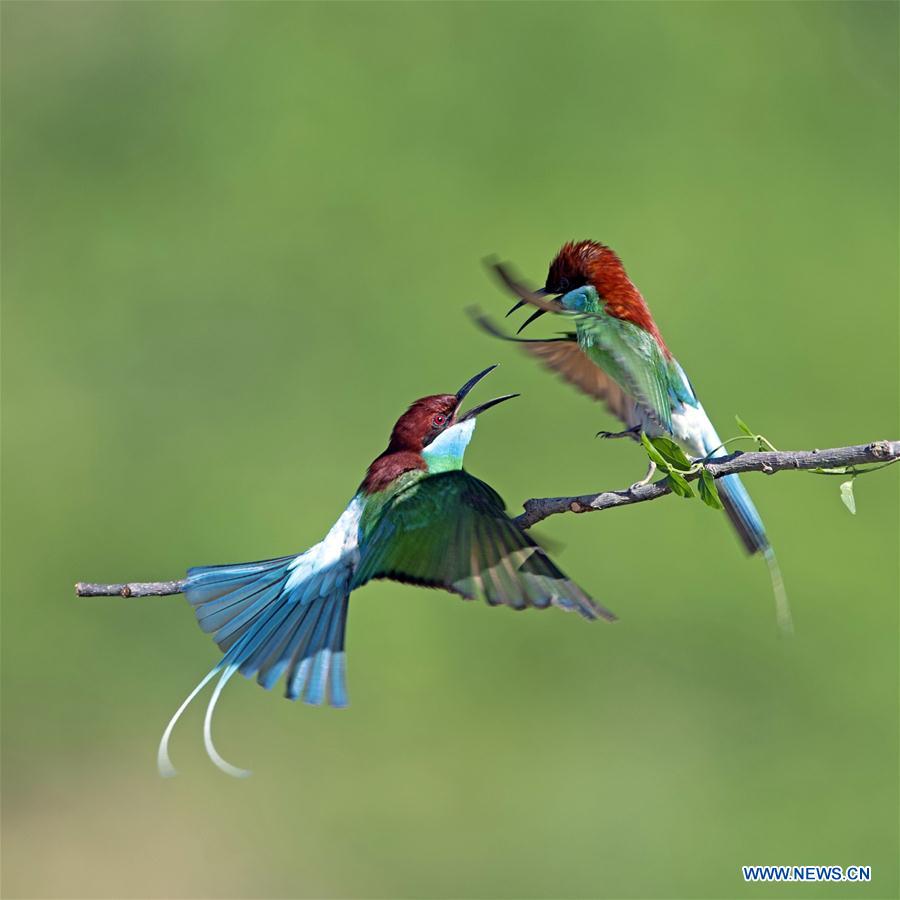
[[239, 238]]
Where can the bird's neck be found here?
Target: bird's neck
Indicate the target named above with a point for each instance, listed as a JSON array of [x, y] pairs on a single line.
[[445, 453], [388, 467], [614, 293]]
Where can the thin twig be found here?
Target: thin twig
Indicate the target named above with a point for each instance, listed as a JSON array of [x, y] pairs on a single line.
[[132, 589], [541, 508], [538, 509]]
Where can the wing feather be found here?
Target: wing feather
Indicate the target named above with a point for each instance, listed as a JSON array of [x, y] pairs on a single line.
[[633, 358], [451, 531], [563, 356]]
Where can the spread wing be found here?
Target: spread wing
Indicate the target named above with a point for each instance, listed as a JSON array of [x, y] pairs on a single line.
[[563, 356], [451, 531]]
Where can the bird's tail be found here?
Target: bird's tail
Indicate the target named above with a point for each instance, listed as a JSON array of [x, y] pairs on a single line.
[[746, 520], [273, 617], [748, 524], [744, 517]]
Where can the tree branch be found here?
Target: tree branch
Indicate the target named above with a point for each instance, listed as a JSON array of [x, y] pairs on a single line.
[[538, 509], [132, 589]]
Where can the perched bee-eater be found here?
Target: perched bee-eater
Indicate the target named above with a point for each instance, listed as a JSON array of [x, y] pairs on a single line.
[[417, 517], [616, 354]]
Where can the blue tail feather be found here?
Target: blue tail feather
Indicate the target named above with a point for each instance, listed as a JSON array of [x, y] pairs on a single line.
[[236, 620], [284, 650], [273, 618], [269, 619], [748, 524], [279, 620], [740, 509], [214, 608]]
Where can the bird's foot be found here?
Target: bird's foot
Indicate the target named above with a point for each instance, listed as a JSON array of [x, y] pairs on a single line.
[[629, 432], [651, 471]]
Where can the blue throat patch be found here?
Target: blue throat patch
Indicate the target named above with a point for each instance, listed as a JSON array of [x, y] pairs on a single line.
[[445, 453], [583, 299]]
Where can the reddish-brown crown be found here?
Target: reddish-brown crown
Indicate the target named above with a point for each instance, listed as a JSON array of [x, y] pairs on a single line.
[[413, 431], [590, 262]]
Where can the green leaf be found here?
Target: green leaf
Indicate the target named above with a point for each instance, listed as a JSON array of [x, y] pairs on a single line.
[[653, 453], [709, 493], [847, 496], [744, 427], [678, 485], [672, 453]]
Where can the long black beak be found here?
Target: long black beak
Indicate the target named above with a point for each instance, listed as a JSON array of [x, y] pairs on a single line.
[[480, 409], [536, 298], [534, 316], [464, 390], [540, 292]]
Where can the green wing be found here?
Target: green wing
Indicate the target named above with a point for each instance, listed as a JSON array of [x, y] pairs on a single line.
[[451, 531], [633, 358]]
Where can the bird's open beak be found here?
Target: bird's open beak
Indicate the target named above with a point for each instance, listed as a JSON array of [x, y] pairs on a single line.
[[464, 390], [480, 409], [536, 298], [540, 292], [532, 318]]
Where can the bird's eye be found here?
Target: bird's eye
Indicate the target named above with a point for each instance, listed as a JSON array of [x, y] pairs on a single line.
[[439, 420], [563, 285]]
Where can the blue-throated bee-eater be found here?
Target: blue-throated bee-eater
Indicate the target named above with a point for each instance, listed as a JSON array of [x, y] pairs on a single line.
[[417, 517], [616, 354]]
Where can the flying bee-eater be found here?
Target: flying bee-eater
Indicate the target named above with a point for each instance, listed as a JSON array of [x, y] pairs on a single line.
[[616, 354], [417, 517]]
